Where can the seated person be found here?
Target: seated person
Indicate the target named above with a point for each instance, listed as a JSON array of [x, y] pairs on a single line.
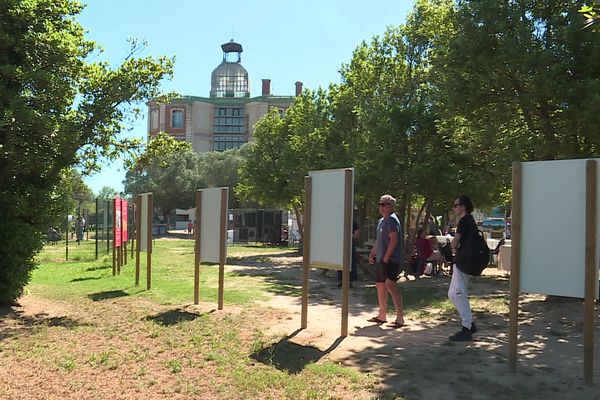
[[427, 251], [436, 255]]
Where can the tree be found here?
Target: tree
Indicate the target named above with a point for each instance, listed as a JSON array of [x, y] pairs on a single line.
[[387, 99], [381, 119], [170, 169], [590, 13], [522, 75], [284, 150], [69, 197], [107, 192], [57, 110], [220, 169]]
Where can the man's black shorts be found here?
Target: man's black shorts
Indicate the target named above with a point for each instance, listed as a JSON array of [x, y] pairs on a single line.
[[390, 270]]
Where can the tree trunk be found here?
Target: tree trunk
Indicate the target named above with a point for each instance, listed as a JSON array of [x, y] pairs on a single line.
[[418, 221], [298, 214], [407, 247]]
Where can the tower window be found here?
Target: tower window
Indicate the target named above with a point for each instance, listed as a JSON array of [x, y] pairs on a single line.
[[223, 142], [154, 119], [177, 119]]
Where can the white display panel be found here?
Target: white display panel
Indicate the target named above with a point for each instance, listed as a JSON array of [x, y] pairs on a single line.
[[327, 218], [143, 216], [211, 218], [553, 228]]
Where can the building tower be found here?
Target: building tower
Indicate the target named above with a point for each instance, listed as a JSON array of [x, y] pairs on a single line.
[[224, 120], [230, 78]]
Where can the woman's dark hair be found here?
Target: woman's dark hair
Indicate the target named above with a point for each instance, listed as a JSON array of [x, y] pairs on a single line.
[[466, 201]]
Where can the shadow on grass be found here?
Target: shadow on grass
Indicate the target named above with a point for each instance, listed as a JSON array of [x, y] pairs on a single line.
[[111, 294], [267, 267], [98, 268], [291, 357], [261, 258], [13, 322], [89, 278], [174, 317]]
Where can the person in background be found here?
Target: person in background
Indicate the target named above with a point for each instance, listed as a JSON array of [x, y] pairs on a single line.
[[80, 228], [457, 291], [190, 227], [433, 228], [353, 265], [387, 255], [52, 235], [427, 252]]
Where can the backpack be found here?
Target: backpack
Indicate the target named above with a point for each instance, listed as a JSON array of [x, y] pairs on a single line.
[[474, 254]]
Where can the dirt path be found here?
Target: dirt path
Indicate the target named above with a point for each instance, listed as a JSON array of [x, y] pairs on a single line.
[[418, 361]]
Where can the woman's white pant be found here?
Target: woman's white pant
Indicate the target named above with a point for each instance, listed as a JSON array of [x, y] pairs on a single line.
[[458, 295]]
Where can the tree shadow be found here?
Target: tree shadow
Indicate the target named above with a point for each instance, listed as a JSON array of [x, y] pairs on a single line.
[[418, 361], [89, 278], [111, 294], [276, 275], [286, 281], [262, 259], [98, 268], [16, 323], [291, 357], [176, 316]]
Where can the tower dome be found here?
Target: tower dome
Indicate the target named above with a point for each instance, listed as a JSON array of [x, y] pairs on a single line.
[[230, 78]]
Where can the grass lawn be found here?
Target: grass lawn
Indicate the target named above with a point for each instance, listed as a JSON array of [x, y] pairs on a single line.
[[97, 335], [83, 333], [172, 274]]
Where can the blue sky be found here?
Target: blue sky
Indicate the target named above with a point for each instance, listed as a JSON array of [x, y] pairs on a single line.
[[285, 41]]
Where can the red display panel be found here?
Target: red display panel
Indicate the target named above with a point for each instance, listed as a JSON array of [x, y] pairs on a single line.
[[124, 235], [117, 219]]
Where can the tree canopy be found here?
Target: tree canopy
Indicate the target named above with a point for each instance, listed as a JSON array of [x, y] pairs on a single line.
[[57, 110], [440, 106], [173, 172], [170, 169], [107, 192]]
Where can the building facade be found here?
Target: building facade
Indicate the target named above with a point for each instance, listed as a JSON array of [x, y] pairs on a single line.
[[225, 119]]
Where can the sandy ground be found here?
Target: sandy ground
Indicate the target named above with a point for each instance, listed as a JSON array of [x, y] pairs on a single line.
[[416, 361]]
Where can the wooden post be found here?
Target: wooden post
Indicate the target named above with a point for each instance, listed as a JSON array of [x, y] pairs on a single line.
[[107, 226], [67, 239], [114, 236], [197, 247], [515, 265], [119, 258], [124, 229], [222, 242], [134, 232], [591, 205], [149, 253], [138, 227], [96, 228], [347, 258], [306, 249]]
